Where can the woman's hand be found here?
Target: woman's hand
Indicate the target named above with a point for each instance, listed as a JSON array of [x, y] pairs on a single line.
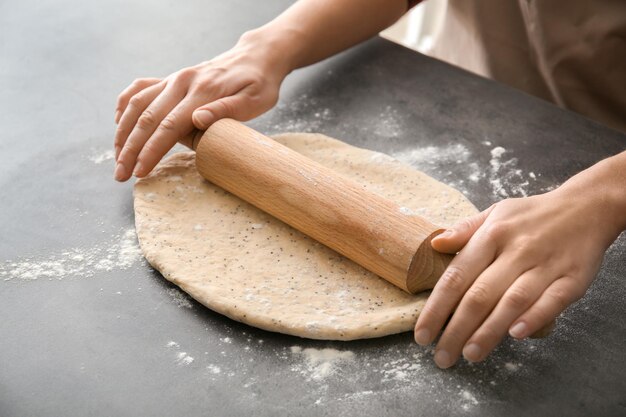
[[521, 263], [153, 113]]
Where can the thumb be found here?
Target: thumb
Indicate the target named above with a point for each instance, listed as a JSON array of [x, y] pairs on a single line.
[[232, 106], [456, 237]]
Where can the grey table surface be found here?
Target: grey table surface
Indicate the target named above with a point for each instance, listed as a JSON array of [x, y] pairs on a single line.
[[87, 337]]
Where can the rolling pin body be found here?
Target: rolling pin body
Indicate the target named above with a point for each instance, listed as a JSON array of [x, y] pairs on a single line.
[[334, 210]]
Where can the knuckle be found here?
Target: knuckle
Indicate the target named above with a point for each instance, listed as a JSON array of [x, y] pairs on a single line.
[[226, 108], [150, 150], [169, 124], [517, 298], [121, 132], [478, 297], [452, 279], [185, 75], [495, 230], [146, 120], [121, 98], [136, 100], [203, 87], [429, 310], [131, 149], [528, 247], [561, 298]]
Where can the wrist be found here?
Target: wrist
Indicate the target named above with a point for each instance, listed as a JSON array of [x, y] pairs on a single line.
[[275, 48], [602, 187]]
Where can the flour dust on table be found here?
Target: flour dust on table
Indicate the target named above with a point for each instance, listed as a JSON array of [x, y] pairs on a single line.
[[251, 267]]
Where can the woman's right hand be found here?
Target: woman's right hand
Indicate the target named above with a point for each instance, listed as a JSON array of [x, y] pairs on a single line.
[[153, 113]]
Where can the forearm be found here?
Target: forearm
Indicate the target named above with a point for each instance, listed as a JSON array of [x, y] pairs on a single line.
[[604, 186], [312, 30]]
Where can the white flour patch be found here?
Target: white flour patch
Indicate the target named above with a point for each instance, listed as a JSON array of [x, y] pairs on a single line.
[[512, 367], [119, 254], [456, 166], [180, 357], [179, 298], [468, 399], [320, 363], [434, 155], [396, 371], [183, 358], [214, 369], [102, 156], [505, 178]]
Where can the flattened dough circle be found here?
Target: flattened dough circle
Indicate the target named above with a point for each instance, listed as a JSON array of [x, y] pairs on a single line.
[[243, 263]]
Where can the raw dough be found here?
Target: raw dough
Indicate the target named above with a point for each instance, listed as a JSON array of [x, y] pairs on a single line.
[[245, 264]]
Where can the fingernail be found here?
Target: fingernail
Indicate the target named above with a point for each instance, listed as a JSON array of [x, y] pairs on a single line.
[[138, 169], [422, 337], [472, 352], [120, 172], [444, 234], [117, 116], [442, 359], [518, 330], [203, 117]]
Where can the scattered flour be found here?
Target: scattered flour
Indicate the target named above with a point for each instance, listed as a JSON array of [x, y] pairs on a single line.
[[179, 298], [504, 177], [181, 358], [214, 369], [389, 123], [468, 400], [434, 155], [321, 363], [513, 367], [300, 111], [102, 156], [119, 254]]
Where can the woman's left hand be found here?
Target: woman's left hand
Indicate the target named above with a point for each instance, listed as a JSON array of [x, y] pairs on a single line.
[[521, 263]]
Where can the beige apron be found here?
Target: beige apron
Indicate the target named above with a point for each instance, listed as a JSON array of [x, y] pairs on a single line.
[[572, 53]]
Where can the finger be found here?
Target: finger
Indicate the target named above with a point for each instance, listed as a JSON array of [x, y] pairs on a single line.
[[556, 298], [475, 306], [191, 139], [176, 126], [136, 106], [237, 106], [522, 293], [456, 279], [134, 87], [146, 125], [456, 237]]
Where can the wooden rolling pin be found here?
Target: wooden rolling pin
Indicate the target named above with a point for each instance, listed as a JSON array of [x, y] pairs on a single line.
[[336, 211]]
